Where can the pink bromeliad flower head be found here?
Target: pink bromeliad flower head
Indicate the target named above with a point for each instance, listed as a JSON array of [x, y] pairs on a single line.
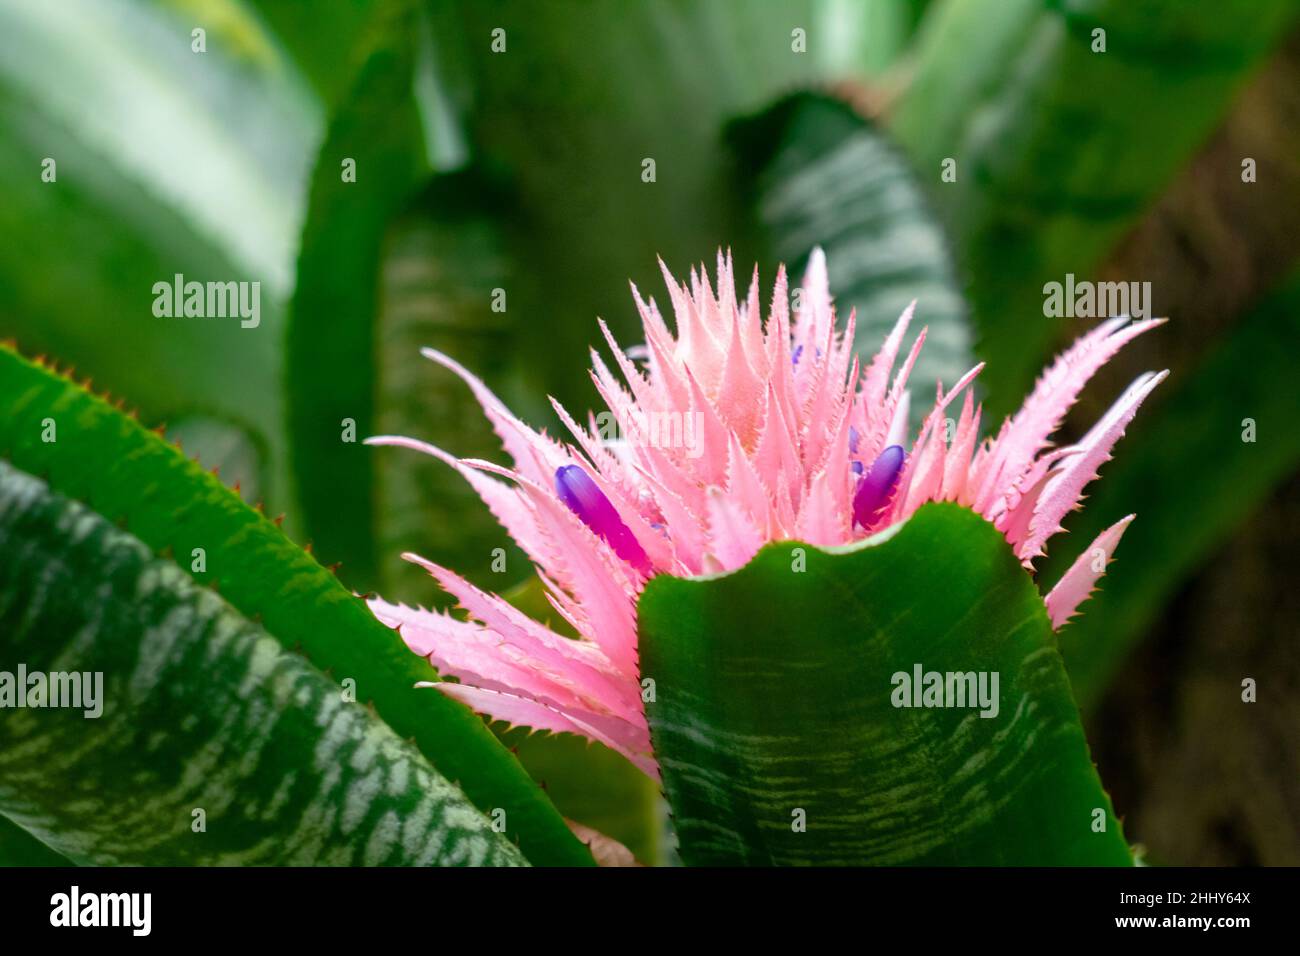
[[734, 433]]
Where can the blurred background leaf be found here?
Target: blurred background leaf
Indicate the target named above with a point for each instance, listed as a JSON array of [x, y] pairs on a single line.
[[321, 38], [1051, 168], [371, 164], [1205, 778], [849, 37], [443, 261], [168, 162], [583, 96], [1227, 432]]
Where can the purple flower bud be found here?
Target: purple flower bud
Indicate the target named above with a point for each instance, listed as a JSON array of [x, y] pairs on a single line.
[[580, 494], [877, 487]]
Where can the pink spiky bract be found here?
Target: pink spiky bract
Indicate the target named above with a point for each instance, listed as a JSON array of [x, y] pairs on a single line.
[[735, 433]]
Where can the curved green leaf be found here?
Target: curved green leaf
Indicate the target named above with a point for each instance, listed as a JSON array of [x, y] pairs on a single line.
[[191, 737], [331, 347], [775, 706], [821, 175], [106, 460], [1060, 148]]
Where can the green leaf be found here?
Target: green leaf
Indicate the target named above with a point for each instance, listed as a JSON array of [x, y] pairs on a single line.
[[775, 690], [855, 38], [20, 848], [1058, 148], [331, 359], [102, 458], [320, 39], [1192, 478], [191, 736], [821, 175], [112, 93]]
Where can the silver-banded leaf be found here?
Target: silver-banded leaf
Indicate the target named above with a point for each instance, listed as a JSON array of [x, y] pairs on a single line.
[[130, 475], [776, 729], [201, 717]]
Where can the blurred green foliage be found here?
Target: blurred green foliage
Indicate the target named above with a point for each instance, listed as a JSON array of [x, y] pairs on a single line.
[[1052, 167]]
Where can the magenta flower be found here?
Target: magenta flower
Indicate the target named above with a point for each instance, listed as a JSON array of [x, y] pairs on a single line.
[[731, 434]]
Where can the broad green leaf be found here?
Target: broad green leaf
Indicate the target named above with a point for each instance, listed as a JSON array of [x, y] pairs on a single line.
[[821, 175], [1058, 148], [166, 162], [1192, 477], [109, 462], [775, 707], [190, 736]]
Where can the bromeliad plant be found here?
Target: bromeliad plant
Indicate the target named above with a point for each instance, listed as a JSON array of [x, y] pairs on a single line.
[[779, 436], [751, 604], [743, 599]]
